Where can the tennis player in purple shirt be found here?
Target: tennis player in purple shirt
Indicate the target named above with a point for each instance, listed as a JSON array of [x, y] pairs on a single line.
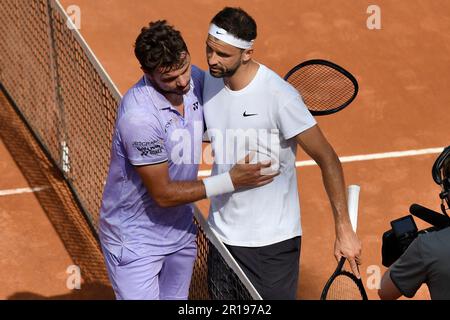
[[147, 231]]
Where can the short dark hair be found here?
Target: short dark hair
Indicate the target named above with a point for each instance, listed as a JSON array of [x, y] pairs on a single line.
[[160, 46], [237, 22]]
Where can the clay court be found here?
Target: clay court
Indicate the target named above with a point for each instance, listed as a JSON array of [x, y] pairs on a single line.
[[402, 106]]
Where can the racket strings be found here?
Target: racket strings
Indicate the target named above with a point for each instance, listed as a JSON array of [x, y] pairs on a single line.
[[344, 288], [323, 93], [322, 87], [312, 76]]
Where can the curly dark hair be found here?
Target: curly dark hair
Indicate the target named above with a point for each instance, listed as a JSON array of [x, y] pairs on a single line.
[[160, 46], [237, 22]]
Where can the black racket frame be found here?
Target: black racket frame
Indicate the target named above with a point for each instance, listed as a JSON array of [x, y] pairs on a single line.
[[340, 272], [336, 67]]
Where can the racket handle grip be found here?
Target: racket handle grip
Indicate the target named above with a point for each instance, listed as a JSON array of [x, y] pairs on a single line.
[[353, 201]]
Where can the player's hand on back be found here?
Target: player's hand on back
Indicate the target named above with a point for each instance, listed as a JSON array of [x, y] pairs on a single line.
[[247, 175]]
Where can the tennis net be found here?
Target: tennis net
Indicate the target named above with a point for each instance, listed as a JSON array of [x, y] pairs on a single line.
[[69, 102]]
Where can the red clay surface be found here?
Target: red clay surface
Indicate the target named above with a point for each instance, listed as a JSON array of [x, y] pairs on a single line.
[[32, 256], [402, 104], [42, 233]]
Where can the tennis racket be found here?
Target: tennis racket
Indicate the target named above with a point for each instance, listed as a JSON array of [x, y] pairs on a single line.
[[325, 87], [343, 284]]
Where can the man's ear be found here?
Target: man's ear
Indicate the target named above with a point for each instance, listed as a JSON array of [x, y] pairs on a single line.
[[247, 55]]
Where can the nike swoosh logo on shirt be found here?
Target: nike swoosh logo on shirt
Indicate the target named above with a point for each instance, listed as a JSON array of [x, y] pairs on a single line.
[[249, 114]]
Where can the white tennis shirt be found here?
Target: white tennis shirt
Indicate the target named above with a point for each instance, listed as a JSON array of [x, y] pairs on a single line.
[[262, 117]]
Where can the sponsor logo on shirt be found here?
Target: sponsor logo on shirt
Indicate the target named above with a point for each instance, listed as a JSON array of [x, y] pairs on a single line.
[[245, 114], [149, 148], [169, 123]]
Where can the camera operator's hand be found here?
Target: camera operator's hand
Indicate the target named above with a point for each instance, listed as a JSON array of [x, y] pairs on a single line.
[[348, 245]]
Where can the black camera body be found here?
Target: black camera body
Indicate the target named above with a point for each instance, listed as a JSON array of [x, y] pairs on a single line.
[[404, 230], [398, 239]]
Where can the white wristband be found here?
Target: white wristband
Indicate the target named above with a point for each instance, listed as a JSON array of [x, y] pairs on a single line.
[[219, 184]]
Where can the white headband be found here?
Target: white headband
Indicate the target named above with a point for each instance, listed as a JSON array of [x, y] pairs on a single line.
[[227, 37]]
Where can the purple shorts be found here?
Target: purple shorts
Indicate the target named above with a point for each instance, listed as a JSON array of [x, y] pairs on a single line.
[[166, 277]]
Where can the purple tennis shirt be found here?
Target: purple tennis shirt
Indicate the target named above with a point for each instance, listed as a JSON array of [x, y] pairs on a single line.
[[150, 131]]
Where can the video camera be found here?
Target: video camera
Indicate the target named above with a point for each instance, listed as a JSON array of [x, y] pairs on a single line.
[[404, 230]]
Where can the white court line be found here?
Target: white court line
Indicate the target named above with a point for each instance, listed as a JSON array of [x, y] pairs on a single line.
[[366, 157], [20, 191], [207, 173]]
